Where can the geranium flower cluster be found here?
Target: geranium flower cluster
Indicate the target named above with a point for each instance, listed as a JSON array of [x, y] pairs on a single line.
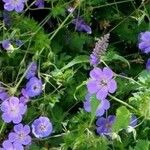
[[100, 84], [13, 108]]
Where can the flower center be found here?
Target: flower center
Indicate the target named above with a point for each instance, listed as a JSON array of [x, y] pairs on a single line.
[[13, 110], [43, 127], [35, 87], [103, 83], [108, 125], [21, 136], [15, 1]]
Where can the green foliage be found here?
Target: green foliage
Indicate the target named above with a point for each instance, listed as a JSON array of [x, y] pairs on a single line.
[[62, 54], [94, 105], [58, 10], [112, 56], [142, 145], [122, 119], [77, 60], [140, 99]]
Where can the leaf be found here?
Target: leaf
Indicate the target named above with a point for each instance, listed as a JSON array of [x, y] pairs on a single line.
[[58, 10], [142, 145], [78, 88], [34, 147], [77, 60], [111, 56], [94, 105], [122, 119]]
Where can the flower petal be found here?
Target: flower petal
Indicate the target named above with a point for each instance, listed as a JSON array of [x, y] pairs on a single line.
[[26, 140], [102, 93], [6, 118], [9, 6], [12, 137], [100, 121], [105, 104], [17, 119], [26, 129], [92, 86], [18, 128], [112, 86], [96, 73], [108, 73], [19, 7], [100, 111], [7, 145]]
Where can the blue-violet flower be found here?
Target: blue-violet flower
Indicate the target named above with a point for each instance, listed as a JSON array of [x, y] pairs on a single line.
[[17, 5], [102, 107], [104, 125], [33, 87], [144, 42], [20, 135], [7, 145], [13, 110], [101, 82], [42, 127]]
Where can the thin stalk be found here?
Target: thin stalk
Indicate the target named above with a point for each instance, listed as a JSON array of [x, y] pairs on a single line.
[[114, 3], [62, 24], [2, 128], [121, 76], [122, 102]]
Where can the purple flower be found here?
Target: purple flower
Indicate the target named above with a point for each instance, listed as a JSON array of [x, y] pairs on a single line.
[[33, 87], [81, 26], [7, 145], [39, 3], [42, 127], [24, 98], [20, 135], [94, 60], [13, 110], [17, 5], [104, 125], [144, 42], [99, 50], [102, 107], [148, 65], [4, 96], [7, 45], [101, 82], [32, 69], [133, 121]]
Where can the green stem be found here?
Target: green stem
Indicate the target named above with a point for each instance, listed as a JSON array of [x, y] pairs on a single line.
[[114, 3], [121, 76], [62, 24], [19, 82], [2, 128], [122, 102]]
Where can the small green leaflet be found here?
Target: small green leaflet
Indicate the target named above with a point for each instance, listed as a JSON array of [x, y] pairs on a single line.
[[142, 145], [122, 119], [77, 60], [94, 104], [111, 56]]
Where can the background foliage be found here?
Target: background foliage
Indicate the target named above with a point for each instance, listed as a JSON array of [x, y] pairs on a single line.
[[63, 53]]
